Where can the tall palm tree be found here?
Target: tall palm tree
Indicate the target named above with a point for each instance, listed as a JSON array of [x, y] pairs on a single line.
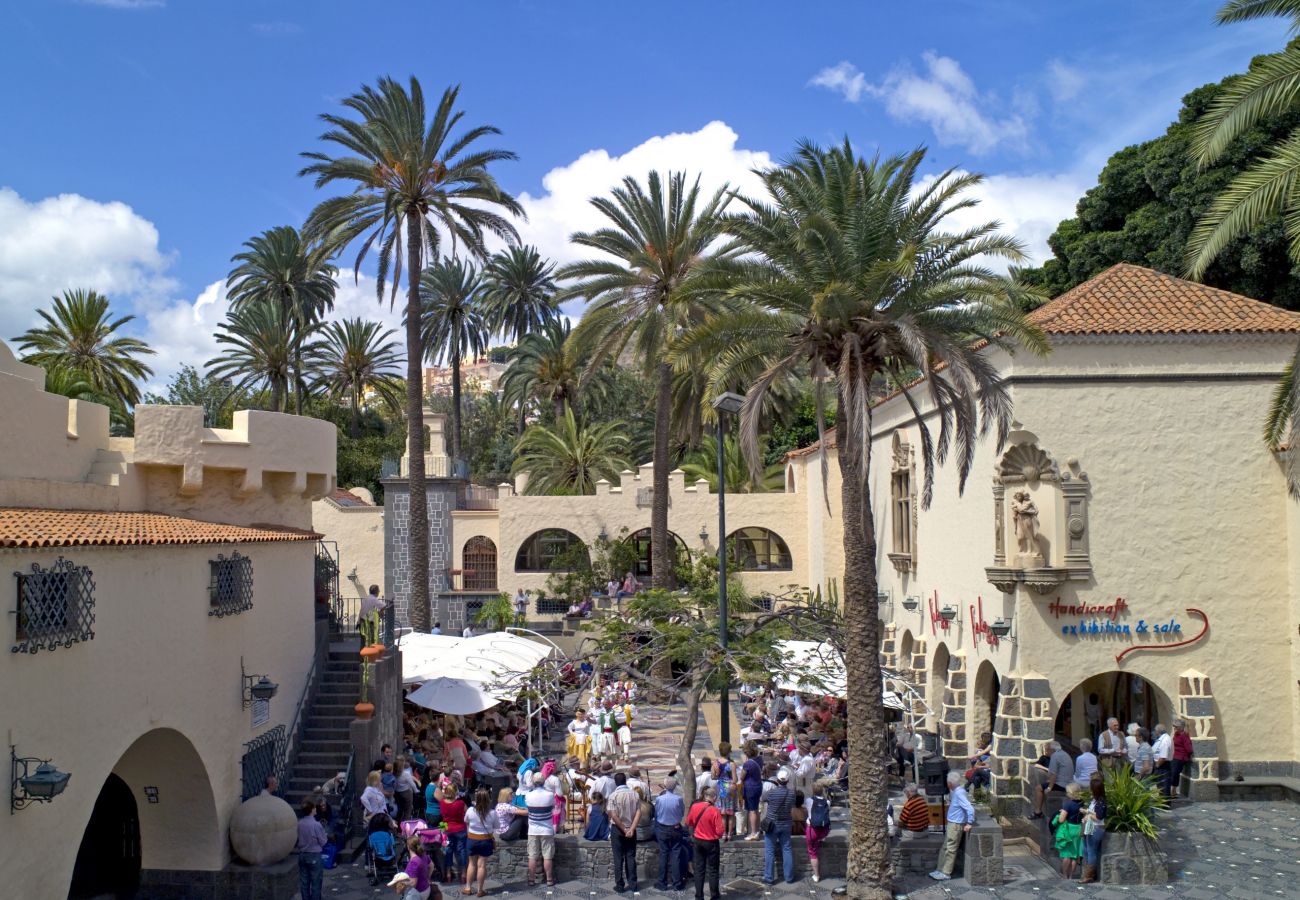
[[569, 458], [519, 292], [652, 247], [354, 357], [258, 338], [283, 268], [413, 180], [548, 367], [702, 463], [80, 335], [1268, 187], [453, 326], [855, 277]]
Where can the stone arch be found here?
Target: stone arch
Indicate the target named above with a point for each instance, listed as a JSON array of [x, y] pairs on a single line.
[[545, 549], [181, 831], [1128, 696], [640, 542], [906, 644], [984, 706], [938, 683]]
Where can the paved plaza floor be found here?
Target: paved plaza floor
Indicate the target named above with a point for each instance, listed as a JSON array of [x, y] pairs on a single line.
[[1240, 850]]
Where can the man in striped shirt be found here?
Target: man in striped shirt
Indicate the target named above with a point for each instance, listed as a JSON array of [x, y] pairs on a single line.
[[541, 832], [914, 817]]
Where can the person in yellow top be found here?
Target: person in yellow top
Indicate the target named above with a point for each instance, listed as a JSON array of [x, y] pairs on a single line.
[[578, 742]]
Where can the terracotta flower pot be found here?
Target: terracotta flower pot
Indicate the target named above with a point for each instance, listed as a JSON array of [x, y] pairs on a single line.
[[364, 710], [372, 653]]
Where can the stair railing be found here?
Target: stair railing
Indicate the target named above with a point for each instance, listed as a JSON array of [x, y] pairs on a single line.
[[293, 738]]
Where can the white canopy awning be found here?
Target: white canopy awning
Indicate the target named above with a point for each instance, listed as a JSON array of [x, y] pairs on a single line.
[[497, 658], [813, 667], [455, 696]]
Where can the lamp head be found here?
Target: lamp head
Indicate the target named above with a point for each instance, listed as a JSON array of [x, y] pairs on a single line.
[[728, 402]]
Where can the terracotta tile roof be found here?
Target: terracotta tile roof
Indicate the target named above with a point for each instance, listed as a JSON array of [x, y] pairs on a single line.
[[1128, 299], [91, 528], [347, 498]]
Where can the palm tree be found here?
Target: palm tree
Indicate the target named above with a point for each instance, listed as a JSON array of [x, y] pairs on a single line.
[[519, 292], [259, 341], [281, 267], [1268, 187], [453, 325], [412, 180], [355, 357], [854, 278], [568, 458], [703, 464], [641, 291], [547, 366], [80, 336]]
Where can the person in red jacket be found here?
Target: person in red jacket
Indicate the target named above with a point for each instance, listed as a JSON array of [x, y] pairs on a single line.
[[1182, 756], [706, 823]]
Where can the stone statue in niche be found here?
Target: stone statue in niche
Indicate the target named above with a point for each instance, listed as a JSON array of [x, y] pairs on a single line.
[[1024, 518]]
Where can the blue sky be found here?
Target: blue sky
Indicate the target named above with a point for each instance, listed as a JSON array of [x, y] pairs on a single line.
[[144, 140]]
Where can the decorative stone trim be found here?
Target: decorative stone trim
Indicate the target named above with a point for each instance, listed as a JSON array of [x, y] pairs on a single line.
[[1024, 722], [1196, 707], [902, 562], [952, 724]]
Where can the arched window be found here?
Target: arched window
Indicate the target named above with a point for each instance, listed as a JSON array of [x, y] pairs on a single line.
[[479, 562], [758, 550], [640, 542], [545, 550]]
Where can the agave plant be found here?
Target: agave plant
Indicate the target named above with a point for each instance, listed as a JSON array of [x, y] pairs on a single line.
[[1131, 802]]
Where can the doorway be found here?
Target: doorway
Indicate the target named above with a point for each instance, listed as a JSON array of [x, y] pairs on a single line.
[[108, 861], [1121, 695]]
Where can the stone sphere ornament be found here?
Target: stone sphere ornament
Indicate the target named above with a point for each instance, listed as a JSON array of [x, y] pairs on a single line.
[[263, 830]]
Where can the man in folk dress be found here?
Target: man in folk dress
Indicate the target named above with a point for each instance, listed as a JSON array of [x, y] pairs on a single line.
[[623, 715]]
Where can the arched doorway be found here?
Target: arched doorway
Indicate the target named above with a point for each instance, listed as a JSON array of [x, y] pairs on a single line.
[[108, 861], [640, 542], [938, 683], [479, 564], [984, 710], [1125, 696]]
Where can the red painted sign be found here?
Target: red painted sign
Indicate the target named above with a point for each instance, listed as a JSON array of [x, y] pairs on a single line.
[[1205, 629], [935, 618], [980, 628]]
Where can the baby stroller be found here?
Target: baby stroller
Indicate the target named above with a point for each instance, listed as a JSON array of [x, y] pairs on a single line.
[[385, 855]]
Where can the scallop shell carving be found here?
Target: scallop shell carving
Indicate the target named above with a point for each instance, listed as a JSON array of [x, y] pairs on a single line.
[[1026, 462]]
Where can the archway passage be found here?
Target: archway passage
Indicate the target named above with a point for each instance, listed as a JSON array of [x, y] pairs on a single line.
[[1121, 695], [108, 861], [985, 708], [640, 542]]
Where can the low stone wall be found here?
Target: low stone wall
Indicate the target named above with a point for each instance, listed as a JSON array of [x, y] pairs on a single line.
[[979, 862], [236, 881], [592, 861]]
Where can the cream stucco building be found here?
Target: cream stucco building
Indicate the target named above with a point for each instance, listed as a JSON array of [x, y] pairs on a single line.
[[1160, 579], [148, 574]]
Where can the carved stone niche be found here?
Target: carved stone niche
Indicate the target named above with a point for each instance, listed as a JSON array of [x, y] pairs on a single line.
[[1040, 516], [903, 509]]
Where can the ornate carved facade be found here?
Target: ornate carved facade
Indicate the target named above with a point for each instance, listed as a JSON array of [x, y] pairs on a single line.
[[902, 506]]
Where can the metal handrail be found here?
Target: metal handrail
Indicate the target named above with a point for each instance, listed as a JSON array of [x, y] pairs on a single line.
[[293, 737], [347, 798]]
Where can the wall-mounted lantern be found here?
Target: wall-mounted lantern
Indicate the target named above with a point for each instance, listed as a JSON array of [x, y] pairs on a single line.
[[33, 780], [910, 603], [256, 687], [949, 613]]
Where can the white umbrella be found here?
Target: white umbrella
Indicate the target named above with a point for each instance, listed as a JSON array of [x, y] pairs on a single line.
[[823, 667], [424, 656], [454, 696]]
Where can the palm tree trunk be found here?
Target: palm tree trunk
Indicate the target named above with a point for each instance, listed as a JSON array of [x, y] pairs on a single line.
[[685, 763], [277, 395], [297, 376], [661, 557], [523, 415], [869, 874], [455, 397], [418, 533], [354, 427]]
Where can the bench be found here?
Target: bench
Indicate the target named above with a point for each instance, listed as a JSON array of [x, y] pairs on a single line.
[[1260, 787]]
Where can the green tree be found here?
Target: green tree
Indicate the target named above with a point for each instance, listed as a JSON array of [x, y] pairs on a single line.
[[81, 336], [569, 458], [453, 326], [548, 367], [518, 292], [355, 357], [489, 435], [857, 278], [281, 268], [653, 245], [259, 351], [412, 181], [703, 463], [188, 388]]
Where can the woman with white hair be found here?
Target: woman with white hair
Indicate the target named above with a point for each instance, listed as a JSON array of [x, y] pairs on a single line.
[[961, 816]]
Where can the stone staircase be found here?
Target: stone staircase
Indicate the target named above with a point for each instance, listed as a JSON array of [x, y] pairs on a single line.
[[108, 468], [326, 742]]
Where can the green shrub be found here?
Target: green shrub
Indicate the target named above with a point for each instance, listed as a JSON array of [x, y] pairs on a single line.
[[1131, 802]]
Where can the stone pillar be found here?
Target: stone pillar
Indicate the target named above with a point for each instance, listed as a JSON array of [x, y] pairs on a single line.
[[952, 730], [983, 853], [1196, 707], [889, 647], [918, 664], [1024, 724]]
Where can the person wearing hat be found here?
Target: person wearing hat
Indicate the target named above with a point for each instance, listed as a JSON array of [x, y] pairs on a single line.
[[604, 782], [777, 828], [403, 886]]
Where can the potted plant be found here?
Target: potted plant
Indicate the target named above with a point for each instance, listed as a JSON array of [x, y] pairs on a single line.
[[1130, 853], [371, 653], [365, 709], [498, 613]]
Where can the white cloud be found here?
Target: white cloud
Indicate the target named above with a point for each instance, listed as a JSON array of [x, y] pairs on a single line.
[[1064, 82], [70, 241], [1028, 206], [944, 97], [565, 205]]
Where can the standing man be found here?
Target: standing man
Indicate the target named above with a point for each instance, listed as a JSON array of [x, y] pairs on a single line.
[[371, 607], [623, 715], [1112, 746], [608, 749], [521, 607], [1162, 754], [604, 782], [961, 816], [1182, 757], [1060, 772], [541, 832], [670, 808], [706, 821], [311, 841], [624, 810], [780, 801]]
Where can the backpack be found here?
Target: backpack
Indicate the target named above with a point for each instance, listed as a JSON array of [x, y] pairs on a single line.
[[820, 817]]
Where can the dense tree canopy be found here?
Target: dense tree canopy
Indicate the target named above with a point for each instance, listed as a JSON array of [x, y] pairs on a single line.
[[1148, 199]]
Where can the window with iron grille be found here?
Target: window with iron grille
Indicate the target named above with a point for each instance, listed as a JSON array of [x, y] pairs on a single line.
[[56, 607], [480, 564], [230, 588]]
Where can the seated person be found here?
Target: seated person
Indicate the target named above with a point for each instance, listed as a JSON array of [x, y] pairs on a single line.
[[760, 728], [980, 773], [914, 817], [630, 586]]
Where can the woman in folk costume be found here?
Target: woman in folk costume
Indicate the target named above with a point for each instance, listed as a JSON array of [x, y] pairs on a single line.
[[578, 743], [624, 715], [608, 726]]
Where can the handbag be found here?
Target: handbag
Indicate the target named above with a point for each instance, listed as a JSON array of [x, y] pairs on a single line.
[[1089, 827], [768, 826]]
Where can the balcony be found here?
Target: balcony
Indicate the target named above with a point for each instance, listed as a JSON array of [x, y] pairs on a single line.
[[434, 467], [476, 497]]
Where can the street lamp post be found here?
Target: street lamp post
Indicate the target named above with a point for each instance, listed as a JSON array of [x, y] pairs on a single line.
[[724, 403]]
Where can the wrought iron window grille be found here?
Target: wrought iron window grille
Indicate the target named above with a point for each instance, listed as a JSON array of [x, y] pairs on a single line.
[[230, 588], [263, 756], [55, 608]]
